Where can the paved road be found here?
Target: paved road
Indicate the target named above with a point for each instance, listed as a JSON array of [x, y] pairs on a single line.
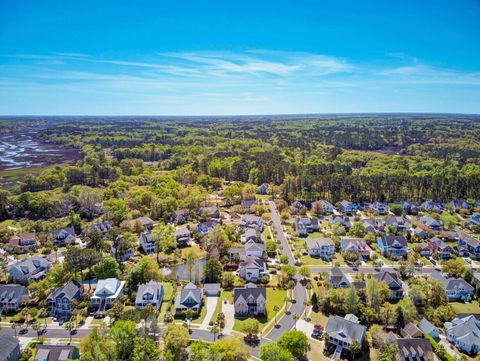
[[346, 269], [286, 323]]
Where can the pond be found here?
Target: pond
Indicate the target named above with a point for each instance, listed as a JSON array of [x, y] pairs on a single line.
[[181, 272]]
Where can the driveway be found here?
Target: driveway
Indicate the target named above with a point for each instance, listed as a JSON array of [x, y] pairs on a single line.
[[211, 304], [228, 310]]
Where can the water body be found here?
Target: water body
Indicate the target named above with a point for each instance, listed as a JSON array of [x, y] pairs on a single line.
[[21, 149]]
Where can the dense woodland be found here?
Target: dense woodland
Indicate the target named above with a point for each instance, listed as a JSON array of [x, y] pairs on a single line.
[[161, 164]]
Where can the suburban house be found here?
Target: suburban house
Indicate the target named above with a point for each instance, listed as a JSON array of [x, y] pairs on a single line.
[[182, 236], [10, 350], [410, 207], [347, 207], [399, 222], [429, 329], [396, 246], [342, 331], [297, 207], [431, 223], [455, 288], [327, 207], [30, 269], [355, 245], [419, 232], [394, 284], [337, 278], [209, 212], [147, 244], [378, 208], [462, 250], [263, 188], [120, 252], [12, 297], [423, 249], [305, 225], [472, 244], [474, 220], [464, 333], [250, 300], [62, 237], [146, 223], [320, 247], [106, 292], [251, 221], [247, 205], [149, 294], [190, 297], [180, 216], [414, 349], [251, 234], [101, 227], [457, 204], [252, 269], [206, 227], [410, 330], [212, 289], [443, 250], [56, 353], [432, 206], [24, 243], [60, 300], [343, 221], [373, 225], [254, 249]]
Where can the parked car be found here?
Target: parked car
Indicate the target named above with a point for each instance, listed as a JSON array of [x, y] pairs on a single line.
[[317, 331]]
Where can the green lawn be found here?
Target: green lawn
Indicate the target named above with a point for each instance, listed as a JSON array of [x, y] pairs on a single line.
[[223, 294], [307, 260], [167, 291], [318, 318], [315, 235], [472, 307], [338, 258], [196, 248], [274, 297]]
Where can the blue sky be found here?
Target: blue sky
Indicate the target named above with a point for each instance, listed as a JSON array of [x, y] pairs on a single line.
[[238, 57]]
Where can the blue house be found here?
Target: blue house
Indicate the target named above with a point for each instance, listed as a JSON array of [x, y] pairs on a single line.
[[474, 220], [472, 244], [327, 207], [347, 207], [396, 246], [432, 223]]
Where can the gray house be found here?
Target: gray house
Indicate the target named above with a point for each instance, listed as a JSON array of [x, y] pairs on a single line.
[[56, 353], [343, 331], [10, 350], [60, 300], [149, 294], [320, 247], [62, 237], [30, 269], [427, 328], [338, 279], [250, 300], [12, 297], [464, 333], [190, 297], [393, 283]]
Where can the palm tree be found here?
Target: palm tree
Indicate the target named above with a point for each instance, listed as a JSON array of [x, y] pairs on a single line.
[[215, 329], [70, 328], [189, 315], [295, 317], [25, 313], [276, 309], [43, 313], [14, 326], [355, 348], [36, 327]]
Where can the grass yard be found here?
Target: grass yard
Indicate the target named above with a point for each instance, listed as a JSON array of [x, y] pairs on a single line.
[[316, 351], [195, 248], [167, 291], [318, 318], [307, 260], [274, 297], [337, 257], [315, 235], [461, 308]]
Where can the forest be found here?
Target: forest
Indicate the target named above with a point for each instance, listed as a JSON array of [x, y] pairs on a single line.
[[159, 164]]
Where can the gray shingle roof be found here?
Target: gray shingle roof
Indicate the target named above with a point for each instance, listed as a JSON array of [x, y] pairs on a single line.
[[248, 292], [69, 290], [345, 330], [8, 345]]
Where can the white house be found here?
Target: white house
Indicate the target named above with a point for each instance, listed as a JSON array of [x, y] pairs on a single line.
[[149, 294], [250, 300], [320, 247], [252, 269], [106, 293], [464, 333]]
